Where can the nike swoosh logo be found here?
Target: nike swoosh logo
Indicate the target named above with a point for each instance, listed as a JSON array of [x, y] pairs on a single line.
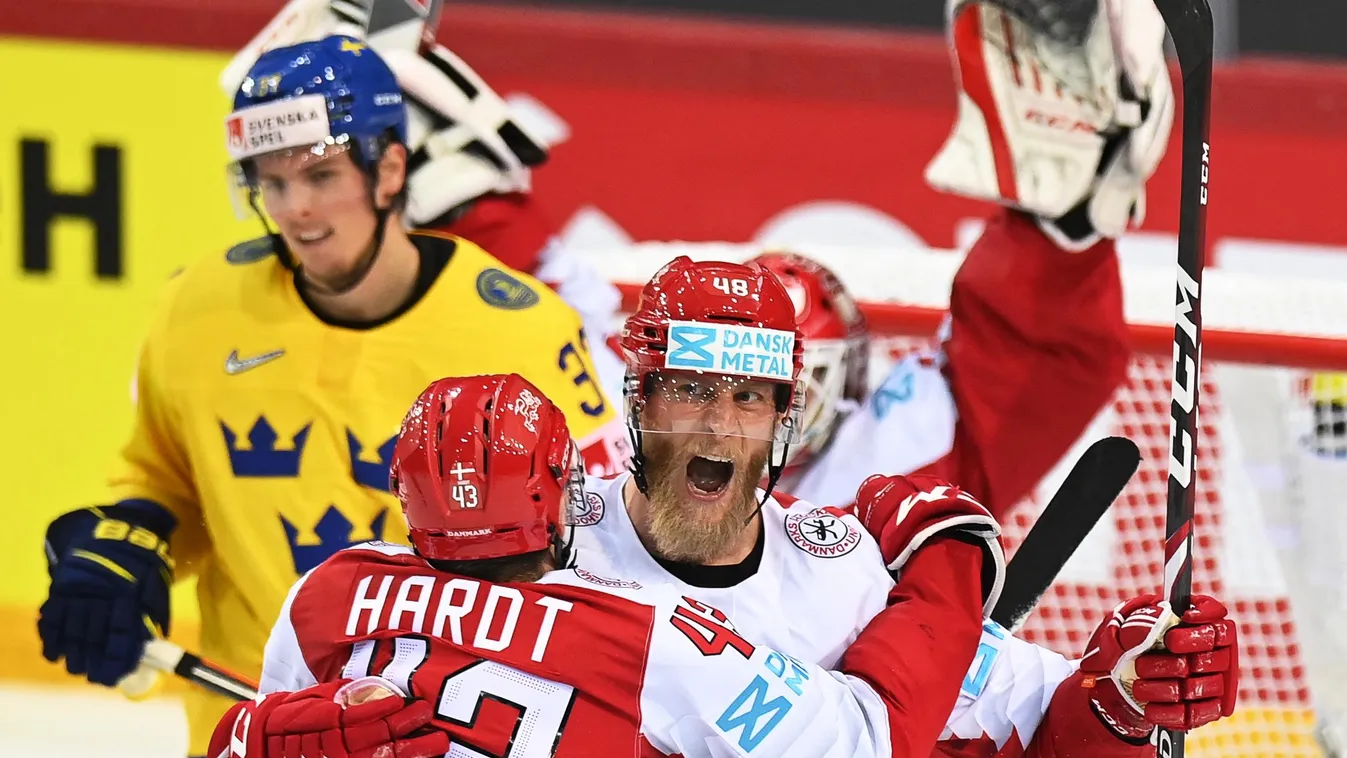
[[235, 365]]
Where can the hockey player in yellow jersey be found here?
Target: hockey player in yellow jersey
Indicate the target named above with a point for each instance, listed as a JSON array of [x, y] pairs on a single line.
[[275, 376]]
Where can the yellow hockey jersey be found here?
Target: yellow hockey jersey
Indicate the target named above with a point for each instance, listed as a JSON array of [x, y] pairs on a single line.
[[268, 432]]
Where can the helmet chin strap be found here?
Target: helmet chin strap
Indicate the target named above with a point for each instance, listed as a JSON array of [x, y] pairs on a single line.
[[563, 549], [776, 465], [363, 267]]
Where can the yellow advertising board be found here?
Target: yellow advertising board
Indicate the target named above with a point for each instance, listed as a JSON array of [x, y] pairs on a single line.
[[111, 177]]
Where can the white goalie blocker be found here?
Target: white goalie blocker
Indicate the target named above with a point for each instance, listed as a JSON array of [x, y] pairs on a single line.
[[466, 140], [1043, 126]]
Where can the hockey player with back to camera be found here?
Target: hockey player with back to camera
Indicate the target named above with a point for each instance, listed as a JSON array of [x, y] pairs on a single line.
[[1035, 342], [479, 633], [273, 378]]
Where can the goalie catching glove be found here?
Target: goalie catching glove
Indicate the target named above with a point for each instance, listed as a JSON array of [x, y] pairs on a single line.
[[365, 718], [903, 513], [1067, 133], [1146, 667]]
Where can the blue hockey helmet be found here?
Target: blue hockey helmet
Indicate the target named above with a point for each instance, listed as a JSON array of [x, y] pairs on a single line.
[[335, 93]]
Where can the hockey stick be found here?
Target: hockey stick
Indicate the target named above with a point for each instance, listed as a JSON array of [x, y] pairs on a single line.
[[1190, 28], [170, 658], [1094, 482]]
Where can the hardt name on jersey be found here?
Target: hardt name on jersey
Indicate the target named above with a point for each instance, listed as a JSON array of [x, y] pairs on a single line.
[[268, 432], [574, 665]]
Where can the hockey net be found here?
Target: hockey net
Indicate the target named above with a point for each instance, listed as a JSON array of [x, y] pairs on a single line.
[[1272, 467]]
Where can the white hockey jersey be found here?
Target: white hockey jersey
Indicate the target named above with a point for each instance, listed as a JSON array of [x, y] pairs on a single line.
[[820, 582]]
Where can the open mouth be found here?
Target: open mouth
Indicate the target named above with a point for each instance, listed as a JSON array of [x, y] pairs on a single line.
[[709, 476]]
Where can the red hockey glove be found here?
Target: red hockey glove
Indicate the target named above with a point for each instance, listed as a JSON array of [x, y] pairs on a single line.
[[1148, 668], [903, 512], [311, 722]]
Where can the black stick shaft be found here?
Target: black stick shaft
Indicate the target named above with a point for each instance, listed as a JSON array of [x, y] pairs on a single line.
[[1190, 28]]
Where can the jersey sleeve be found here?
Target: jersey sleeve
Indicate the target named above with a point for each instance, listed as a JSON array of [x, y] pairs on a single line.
[[916, 652], [152, 465], [709, 692], [1004, 697], [284, 668], [1037, 344]]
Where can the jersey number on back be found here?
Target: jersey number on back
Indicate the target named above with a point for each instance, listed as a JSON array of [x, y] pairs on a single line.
[[541, 706]]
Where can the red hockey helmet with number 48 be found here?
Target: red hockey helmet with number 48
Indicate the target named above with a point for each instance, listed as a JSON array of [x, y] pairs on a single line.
[[836, 347], [485, 468], [718, 343]]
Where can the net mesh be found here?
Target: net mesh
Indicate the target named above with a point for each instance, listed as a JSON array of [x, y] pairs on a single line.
[[1234, 558]]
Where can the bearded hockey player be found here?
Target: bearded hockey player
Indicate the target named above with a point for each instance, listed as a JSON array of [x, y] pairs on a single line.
[[274, 376], [1035, 341], [470, 160], [714, 401], [570, 663]]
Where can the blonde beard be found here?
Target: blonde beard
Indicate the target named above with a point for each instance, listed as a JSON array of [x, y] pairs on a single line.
[[679, 537]]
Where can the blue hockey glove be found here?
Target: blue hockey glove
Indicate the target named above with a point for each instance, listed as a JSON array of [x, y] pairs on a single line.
[[110, 575]]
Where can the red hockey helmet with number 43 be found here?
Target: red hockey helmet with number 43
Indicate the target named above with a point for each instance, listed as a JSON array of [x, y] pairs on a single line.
[[718, 344], [836, 347], [485, 468]]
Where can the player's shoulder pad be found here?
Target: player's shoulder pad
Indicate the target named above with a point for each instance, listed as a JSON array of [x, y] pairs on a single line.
[[251, 251]]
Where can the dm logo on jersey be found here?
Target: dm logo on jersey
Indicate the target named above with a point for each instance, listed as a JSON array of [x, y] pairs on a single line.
[[731, 349], [502, 290], [822, 534], [588, 513]]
